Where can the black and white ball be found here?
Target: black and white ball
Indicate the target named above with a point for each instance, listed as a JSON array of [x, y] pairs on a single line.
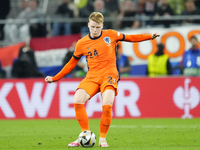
[[87, 139]]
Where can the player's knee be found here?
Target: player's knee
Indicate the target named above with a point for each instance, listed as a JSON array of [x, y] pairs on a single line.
[[108, 98], [79, 100], [81, 96]]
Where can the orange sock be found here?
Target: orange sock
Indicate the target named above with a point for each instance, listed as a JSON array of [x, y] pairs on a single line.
[[81, 116], [105, 120]]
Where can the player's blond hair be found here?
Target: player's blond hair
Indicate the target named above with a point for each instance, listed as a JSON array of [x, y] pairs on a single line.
[[96, 17]]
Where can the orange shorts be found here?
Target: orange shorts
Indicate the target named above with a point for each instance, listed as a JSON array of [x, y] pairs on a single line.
[[93, 85]]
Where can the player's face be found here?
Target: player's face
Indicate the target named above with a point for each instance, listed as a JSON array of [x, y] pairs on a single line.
[[95, 28]]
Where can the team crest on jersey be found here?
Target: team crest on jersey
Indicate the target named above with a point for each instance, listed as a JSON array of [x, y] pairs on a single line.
[[107, 40]]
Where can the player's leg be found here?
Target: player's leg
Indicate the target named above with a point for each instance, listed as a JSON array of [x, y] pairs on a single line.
[[109, 90], [80, 97], [85, 91], [108, 99]]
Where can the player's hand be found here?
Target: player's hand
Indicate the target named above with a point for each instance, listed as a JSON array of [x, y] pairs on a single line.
[[48, 79], [155, 35]]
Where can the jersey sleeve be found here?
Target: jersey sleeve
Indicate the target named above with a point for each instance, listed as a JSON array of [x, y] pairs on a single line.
[[117, 35], [130, 38], [78, 52], [137, 37], [66, 69]]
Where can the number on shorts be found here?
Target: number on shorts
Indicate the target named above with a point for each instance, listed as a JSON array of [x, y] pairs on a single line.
[[111, 80]]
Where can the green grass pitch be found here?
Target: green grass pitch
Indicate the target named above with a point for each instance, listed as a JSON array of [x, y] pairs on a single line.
[[124, 134]]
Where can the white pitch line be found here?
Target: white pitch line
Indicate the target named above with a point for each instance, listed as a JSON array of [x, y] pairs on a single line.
[[154, 126]]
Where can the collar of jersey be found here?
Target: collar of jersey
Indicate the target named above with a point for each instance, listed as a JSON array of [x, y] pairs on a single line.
[[95, 37]]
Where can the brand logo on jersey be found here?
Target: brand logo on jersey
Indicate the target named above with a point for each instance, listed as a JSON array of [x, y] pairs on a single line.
[[107, 40], [89, 47]]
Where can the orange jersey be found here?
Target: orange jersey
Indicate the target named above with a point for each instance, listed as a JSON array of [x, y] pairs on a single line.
[[100, 52]]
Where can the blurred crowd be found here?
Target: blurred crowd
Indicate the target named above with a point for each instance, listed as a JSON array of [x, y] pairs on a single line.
[[118, 13]]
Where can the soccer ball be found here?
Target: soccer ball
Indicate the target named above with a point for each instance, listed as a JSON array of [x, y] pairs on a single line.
[[87, 139]]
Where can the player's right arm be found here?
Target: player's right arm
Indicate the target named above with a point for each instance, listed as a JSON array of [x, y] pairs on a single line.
[[68, 67]]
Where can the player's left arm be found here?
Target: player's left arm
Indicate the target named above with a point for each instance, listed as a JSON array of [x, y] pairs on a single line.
[[140, 37], [133, 37]]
